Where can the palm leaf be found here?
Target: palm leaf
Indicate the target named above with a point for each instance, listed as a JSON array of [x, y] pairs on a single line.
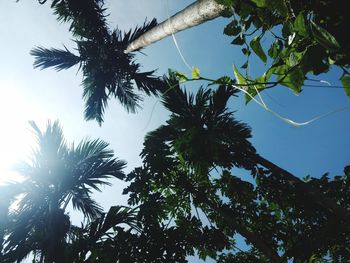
[[132, 35], [82, 201], [148, 83], [56, 58], [107, 70], [87, 17]]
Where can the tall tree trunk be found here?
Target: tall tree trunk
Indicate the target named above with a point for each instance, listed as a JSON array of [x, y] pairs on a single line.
[[193, 15], [314, 195]]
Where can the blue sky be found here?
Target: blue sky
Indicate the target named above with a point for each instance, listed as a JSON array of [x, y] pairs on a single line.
[[28, 94]]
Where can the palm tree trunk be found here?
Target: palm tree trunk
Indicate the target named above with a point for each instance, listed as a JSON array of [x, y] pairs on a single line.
[[314, 195], [193, 15]]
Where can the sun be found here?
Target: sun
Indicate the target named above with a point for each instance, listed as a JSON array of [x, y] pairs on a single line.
[[16, 139]]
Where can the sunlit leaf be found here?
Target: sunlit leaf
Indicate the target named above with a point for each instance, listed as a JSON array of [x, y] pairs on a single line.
[[239, 77], [345, 80], [195, 73], [300, 26], [260, 3]]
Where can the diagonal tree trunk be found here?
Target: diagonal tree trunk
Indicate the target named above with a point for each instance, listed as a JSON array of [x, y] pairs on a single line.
[[195, 14]]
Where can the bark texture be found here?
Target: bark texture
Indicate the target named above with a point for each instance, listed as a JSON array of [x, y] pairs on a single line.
[[193, 15]]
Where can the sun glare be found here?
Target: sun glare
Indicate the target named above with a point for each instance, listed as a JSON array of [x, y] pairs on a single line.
[[16, 140]]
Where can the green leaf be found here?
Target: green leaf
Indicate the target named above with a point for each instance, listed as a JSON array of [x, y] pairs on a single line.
[[323, 37], [181, 77], [257, 48], [287, 29], [195, 73], [292, 60], [299, 25], [254, 89], [294, 80], [239, 77], [345, 80], [260, 3]]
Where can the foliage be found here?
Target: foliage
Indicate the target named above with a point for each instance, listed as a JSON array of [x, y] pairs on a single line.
[[107, 70], [56, 176], [307, 38], [277, 220], [187, 197]]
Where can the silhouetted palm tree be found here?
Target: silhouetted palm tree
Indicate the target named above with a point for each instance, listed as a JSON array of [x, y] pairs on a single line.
[[56, 176], [202, 134], [107, 70], [203, 128]]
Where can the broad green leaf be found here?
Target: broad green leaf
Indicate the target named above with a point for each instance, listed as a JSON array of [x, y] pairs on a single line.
[[260, 3], [323, 37], [292, 60], [257, 48], [254, 89], [195, 73], [287, 29], [181, 77], [299, 25], [345, 80], [267, 75], [252, 93], [239, 77], [294, 80]]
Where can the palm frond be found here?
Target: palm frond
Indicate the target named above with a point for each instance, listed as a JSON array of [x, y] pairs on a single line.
[[148, 83], [51, 144], [175, 99], [58, 59], [219, 99], [87, 17], [82, 201], [96, 100], [131, 35], [127, 97]]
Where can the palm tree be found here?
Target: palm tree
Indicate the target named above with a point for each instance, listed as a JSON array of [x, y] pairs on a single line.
[[202, 134], [107, 70], [57, 175], [206, 129], [195, 14]]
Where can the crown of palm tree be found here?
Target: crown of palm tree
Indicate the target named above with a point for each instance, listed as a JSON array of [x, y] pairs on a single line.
[[201, 130], [57, 175], [107, 70]]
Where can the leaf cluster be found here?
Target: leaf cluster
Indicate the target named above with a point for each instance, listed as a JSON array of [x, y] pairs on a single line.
[[307, 37]]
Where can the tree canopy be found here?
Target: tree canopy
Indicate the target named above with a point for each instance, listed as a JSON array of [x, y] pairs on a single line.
[[202, 185]]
